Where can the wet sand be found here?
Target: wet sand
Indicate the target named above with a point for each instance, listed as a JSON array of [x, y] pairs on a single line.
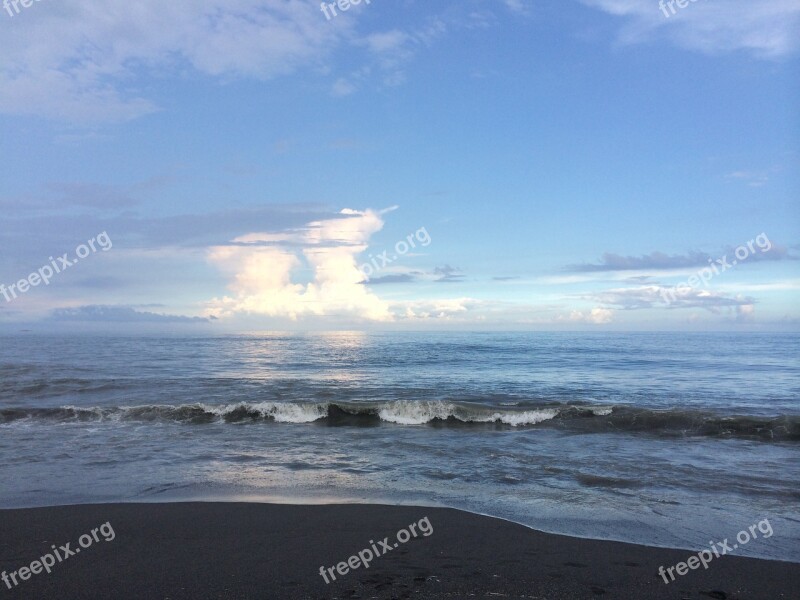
[[199, 551]]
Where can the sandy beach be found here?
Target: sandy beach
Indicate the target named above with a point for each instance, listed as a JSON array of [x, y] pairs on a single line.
[[202, 551]]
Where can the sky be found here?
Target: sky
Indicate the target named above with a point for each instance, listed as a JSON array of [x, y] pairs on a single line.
[[249, 165]]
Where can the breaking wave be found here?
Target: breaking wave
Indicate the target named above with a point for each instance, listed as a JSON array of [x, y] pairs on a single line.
[[436, 413]]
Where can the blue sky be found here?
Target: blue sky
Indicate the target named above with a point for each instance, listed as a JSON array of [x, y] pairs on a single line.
[[567, 164]]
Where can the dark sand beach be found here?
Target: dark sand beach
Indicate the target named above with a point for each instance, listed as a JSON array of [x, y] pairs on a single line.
[[209, 551]]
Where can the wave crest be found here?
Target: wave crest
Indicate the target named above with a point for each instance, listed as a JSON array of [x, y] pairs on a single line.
[[569, 417]]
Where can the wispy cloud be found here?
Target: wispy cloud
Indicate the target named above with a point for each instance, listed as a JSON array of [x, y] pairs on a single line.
[[655, 261], [659, 261], [754, 178], [77, 61], [448, 274], [62, 196], [521, 7], [651, 296], [765, 28], [388, 53], [343, 87], [81, 62], [394, 278], [118, 314]]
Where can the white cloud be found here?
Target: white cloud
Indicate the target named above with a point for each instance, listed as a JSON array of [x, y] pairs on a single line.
[[596, 316], [262, 266], [767, 28], [443, 309]]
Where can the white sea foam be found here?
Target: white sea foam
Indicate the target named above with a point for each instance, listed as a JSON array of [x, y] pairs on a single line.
[[419, 413], [405, 412], [291, 412], [281, 412], [528, 417], [401, 412]]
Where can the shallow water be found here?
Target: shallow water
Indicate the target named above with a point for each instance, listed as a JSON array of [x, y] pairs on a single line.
[[666, 439]]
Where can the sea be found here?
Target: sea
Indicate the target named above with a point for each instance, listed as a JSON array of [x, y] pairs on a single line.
[[666, 439]]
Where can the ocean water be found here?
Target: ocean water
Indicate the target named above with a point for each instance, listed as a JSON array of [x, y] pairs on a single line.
[[664, 439]]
